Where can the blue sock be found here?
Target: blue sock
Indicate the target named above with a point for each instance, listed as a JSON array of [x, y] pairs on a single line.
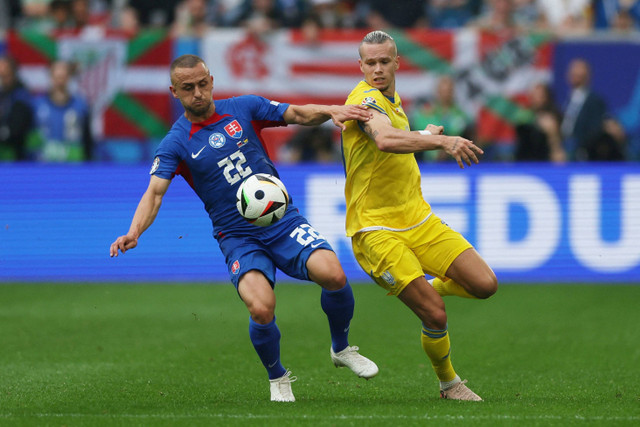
[[266, 341], [338, 306]]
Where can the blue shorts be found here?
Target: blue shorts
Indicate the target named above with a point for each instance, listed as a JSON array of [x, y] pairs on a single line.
[[286, 245]]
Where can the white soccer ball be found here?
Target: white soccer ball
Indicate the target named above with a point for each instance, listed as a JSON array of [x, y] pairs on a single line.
[[262, 199]]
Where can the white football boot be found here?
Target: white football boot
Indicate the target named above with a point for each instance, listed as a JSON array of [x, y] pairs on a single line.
[[281, 388], [360, 365], [460, 391]]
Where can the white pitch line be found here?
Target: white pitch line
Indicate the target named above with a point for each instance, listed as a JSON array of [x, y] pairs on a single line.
[[333, 417]]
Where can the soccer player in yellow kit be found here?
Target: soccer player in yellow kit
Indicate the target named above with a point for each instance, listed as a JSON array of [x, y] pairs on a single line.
[[395, 236]]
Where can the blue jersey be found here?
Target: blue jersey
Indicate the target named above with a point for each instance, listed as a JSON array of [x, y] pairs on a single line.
[[64, 129], [216, 155]]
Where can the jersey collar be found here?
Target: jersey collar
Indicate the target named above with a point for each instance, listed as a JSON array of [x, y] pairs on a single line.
[[215, 117]]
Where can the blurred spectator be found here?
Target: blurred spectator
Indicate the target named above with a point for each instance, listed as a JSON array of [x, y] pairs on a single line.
[[498, 15], [585, 126], [60, 14], [261, 16], [442, 111], [67, 16], [624, 22], [16, 115], [618, 15], [293, 12], [10, 11], [193, 19], [539, 138], [610, 145], [324, 14], [445, 14], [311, 29], [62, 121], [35, 8], [311, 144], [527, 15], [153, 13], [34, 15], [383, 14], [127, 22], [5, 16], [329, 14], [354, 13], [566, 17], [226, 12], [80, 13]]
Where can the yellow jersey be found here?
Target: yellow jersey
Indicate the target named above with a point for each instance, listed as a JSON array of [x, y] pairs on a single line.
[[382, 189]]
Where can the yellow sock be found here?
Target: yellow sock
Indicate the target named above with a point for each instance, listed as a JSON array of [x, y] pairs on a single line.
[[449, 287], [437, 346]]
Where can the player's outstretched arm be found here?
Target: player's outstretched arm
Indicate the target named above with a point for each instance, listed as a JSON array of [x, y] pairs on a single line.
[[393, 140], [144, 216], [313, 114]]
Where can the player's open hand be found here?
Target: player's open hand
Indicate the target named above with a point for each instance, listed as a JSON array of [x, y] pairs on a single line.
[[463, 150], [343, 113], [123, 244]]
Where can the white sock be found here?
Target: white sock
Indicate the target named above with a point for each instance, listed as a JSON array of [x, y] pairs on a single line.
[[445, 385]]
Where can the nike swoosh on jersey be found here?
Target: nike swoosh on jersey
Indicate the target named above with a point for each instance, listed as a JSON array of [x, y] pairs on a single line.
[[193, 156], [316, 244]]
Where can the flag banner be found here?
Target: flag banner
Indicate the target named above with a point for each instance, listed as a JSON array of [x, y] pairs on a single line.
[[125, 80], [492, 72]]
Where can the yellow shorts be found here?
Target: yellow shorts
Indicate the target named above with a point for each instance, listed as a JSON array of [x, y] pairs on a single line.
[[394, 258]]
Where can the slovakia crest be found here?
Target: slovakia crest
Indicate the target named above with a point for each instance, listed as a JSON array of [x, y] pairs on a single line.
[[217, 140], [234, 130], [235, 267]]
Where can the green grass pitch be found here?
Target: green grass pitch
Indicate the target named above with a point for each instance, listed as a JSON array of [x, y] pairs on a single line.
[[174, 355]]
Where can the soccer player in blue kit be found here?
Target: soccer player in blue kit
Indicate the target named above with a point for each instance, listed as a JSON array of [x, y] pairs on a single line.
[[214, 146]]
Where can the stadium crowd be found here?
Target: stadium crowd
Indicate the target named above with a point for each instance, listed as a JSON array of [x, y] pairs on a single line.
[[53, 126]]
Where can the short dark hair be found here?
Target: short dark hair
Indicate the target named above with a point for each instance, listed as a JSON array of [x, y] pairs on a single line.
[[186, 61], [376, 37]]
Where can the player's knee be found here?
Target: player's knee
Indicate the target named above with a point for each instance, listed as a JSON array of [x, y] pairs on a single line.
[[324, 268], [486, 286], [433, 316], [334, 280], [261, 313], [262, 317], [436, 319]]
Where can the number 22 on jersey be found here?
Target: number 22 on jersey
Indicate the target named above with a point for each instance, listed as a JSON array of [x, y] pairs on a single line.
[[233, 167]]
